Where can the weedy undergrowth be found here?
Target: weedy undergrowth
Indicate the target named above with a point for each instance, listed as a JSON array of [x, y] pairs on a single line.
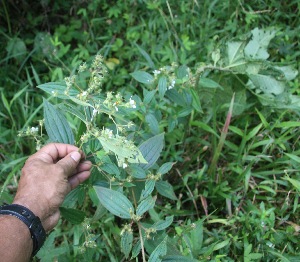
[[126, 137]]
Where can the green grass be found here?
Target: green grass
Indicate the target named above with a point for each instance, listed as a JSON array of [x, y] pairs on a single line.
[[236, 176]]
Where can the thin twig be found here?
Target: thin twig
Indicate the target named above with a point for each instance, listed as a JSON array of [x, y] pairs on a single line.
[[188, 188]]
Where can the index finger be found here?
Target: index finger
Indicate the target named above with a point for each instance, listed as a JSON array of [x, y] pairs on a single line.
[[51, 153]]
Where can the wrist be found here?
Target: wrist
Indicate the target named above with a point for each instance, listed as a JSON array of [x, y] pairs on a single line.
[[33, 223], [34, 206]]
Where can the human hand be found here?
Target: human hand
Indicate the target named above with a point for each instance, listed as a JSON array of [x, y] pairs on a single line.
[[47, 177]]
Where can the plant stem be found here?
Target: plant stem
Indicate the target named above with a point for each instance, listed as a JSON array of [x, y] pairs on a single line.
[[142, 242]]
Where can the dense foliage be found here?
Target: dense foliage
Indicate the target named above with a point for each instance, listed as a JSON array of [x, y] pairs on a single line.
[[189, 111]]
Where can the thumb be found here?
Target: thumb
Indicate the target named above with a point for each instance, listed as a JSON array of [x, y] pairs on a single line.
[[70, 162]]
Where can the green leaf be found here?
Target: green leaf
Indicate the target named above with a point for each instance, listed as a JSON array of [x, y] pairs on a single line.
[[159, 251], [209, 83], [136, 171], [174, 258], [136, 249], [197, 237], [153, 123], [163, 224], [294, 182], [151, 150], [257, 46], [58, 89], [165, 168], [267, 84], [132, 154], [162, 86], [142, 77], [146, 56], [235, 53], [149, 187], [183, 72], [57, 127], [145, 205], [196, 101], [115, 202], [165, 189], [148, 96], [74, 216], [126, 243]]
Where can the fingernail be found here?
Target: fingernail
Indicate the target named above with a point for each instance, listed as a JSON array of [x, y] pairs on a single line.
[[76, 156]]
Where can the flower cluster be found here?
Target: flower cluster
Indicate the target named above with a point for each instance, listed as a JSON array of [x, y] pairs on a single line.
[[98, 73], [169, 72]]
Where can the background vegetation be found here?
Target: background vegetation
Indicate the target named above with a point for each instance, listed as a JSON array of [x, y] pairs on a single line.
[[231, 131]]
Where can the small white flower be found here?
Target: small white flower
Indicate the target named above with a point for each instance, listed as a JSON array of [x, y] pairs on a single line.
[[95, 111], [117, 109], [132, 103], [84, 93], [34, 129], [156, 72], [124, 165]]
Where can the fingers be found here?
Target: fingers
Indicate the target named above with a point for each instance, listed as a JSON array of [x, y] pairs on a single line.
[[79, 178], [55, 151], [69, 163]]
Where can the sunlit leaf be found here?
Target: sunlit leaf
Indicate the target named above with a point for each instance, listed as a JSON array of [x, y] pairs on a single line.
[[114, 201], [165, 189], [126, 242], [159, 251], [163, 224], [142, 77], [57, 127], [145, 205], [151, 150]]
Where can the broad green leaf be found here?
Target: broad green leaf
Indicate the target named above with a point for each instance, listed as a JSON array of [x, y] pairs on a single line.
[[145, 205], [131, 153], [197, 237], [162, 86], [235, 54], [126, 242], [149, 187], [267, 84], [221, 244], [148, 96], [136, 171], [136, 249], [111, 169], [184, 112], [257, 46], [159, 251], [142, 77], [174, 258], [209, 83], [165, 189], [115, 202], [153, 123], [176, 97], [74, 111], [196, 101], [289, 72], [183, 72], [163, 224], [151, 150], [165, 168], [57, 127], [58, 89], [74, 216]]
